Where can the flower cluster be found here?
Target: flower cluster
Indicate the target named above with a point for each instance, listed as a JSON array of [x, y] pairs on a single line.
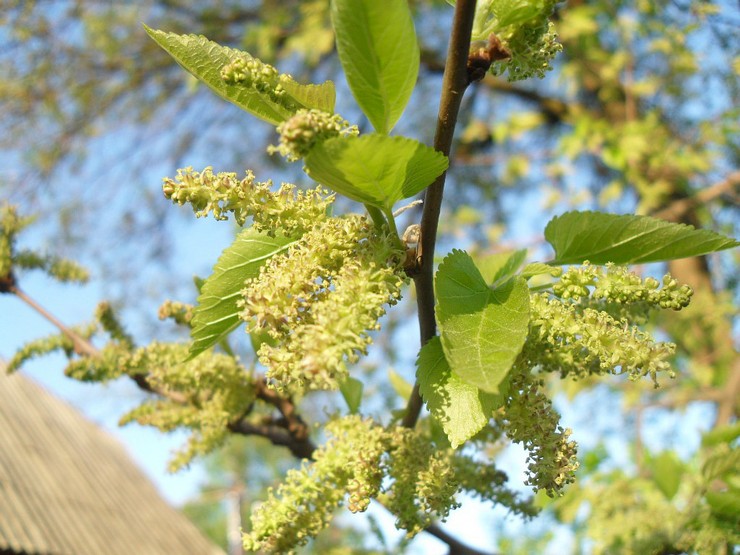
[[424, 481], [616, 284], [567, 338], [305, 502], [524, 32], [50, 344], [207, 394], [354, 461], [291, 211], [307, 128], [532, 49], [181, 313], [245, 71], [11, 224], [319, 300], [530, 419]]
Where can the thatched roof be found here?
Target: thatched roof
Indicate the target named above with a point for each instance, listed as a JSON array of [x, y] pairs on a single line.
[[68, 488]]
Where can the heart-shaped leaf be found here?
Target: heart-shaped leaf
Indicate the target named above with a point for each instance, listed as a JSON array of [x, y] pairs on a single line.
[[482, 329], [461, 409]]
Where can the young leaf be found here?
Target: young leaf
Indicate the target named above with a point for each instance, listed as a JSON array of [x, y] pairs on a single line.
[[667, 470], [627, 239], [723, 434], [375, 169], [351, 390], [538, 269], [205, 59], [379, 53], [721, 463], [217, 314], [402, 388], [510, 267], [482, 329], [724, 503], [461, 409], [499, 265]]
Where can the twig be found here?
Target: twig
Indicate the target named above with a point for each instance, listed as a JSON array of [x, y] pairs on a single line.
[[679, 207], [81, 345], [456, 547], [454, 83]]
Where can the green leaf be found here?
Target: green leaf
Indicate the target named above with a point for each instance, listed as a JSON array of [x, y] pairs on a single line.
[[375, 169], [379, 53], [400, 386], [724, 503], [667, 470], [627, 239], [500, 265], [462, 409], [719, 464], [319, 97], [482, 329], [538, 269], [351, 390], [723, 434], [205, 59], [217, 314]]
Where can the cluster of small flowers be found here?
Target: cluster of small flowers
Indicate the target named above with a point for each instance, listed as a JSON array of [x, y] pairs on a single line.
[[246, 71], [304, 503], [567, 338], [307, 128], [50, 344], [319, 300], [483, 480], [61, 269], [11, 224], [617, 284], [181, 313], [109, 321], [531, 420], [215, 389], [291, 211], [424, 481], [532, 43]]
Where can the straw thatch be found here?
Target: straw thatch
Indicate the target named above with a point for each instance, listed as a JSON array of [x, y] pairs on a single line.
[[68, 488]]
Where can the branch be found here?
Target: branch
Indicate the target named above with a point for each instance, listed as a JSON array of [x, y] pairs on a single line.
[[454, 83], [278, 434], [289, 431], [456, 547], [681, 206]]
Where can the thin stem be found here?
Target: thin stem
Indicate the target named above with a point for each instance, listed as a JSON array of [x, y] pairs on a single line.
[[454, 83], [81, 345], [376, 215]]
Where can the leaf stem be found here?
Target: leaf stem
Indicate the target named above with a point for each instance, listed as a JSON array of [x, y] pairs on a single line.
[[454, 83], [377, 216]]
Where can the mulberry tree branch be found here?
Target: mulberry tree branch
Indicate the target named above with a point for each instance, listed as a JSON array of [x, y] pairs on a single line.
[[454, 83]]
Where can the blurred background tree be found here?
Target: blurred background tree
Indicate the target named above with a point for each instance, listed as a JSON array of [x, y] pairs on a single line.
[[639, 115]]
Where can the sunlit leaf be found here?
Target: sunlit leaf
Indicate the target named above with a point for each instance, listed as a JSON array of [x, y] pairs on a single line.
[[379, 53], [627, 239], [461, 409], [217, 314], [482, 329], [205, 59], [667, 470], [351, 390], [375, 169]]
